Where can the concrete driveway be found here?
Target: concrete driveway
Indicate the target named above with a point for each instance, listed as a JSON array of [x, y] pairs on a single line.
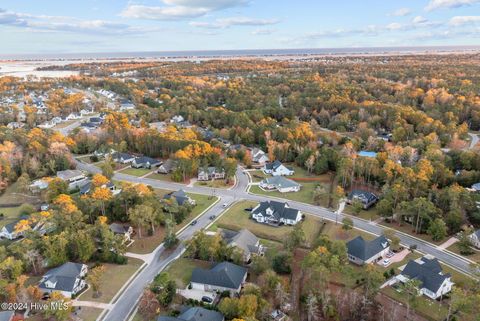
[[196, 294]]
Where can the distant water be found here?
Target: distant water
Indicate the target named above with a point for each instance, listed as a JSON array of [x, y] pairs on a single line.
[[237, 53]]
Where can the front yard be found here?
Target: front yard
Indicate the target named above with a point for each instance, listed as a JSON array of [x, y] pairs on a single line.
[[114, 278], [181, 270], [236, 218], [474, 257], [305, 195], [87, 313], [136, 171], [218, 183]]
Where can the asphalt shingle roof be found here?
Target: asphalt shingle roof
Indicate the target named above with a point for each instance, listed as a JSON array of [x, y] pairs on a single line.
[[428, 273], [195, 314], [280, 182], [223, 274], [280, 210], [364, 250], [64, 276]]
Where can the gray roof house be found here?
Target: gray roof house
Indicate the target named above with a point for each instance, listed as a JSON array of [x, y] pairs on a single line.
[[66, 279], [180, 196], [86, 188], [6, 315], [195, 314], [276, 213], [245, 241], [8, 231], [276, 168], [145, 162], [71, 175], [280, 183], [259, 156], [361, 251], [366, 198], [167, 167], [427, 270], [210, 173], [121, 229], [122, 158], [475, 239], [224, 276]]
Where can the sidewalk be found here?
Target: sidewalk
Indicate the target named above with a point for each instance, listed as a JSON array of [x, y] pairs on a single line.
[[92, 304], [447, 243], [144, 257]]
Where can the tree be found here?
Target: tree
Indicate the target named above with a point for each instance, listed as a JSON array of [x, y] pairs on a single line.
[[373, 278], [357, 207], [247, 306], [102, 195], [229, 307], [108, 167], [392, 236], [143, 215], [410, 290], [94, 278], [295, 238], [55, 188], [56, 312], [347, 224], [464, 243], [437, 229], [83, 245], [281, 263]]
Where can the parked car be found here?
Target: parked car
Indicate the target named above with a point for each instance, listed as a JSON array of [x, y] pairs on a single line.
[[225, 205], [212, 217], [390, 254], [194, 222], [386, 262], [207, 299]]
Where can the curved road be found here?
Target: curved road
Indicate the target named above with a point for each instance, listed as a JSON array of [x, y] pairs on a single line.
[[125, 304]]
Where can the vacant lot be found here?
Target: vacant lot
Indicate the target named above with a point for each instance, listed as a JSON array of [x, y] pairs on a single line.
[[181, 270], [335, 232], [305, 195], [237, 218], [114, 278], [218, 183], [161, 177]]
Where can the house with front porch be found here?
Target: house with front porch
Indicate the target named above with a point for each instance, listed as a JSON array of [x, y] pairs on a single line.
[[68, 279], [276, 213]]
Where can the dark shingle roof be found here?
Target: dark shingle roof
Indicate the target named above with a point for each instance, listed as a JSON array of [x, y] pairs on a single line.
[[273, 165], [280, 210], [362, 249], [180, 196], [118, 228], [195, 314], [428, 272], [64, 276], [363, 196], [223, 274], [145, 160]]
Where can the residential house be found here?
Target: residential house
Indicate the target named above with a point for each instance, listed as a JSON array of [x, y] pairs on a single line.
[[126, 104], [476, 187], [38, 185], [280, 183], [245, 240], [15, 125], [66, 279], [276, 213], [96, 120], [210, 173], [361, 251], [366, 198], [145, 162], [87, 186], [167, 167], [121, 229], [180, 196], [8, 232], [278, 315], [122, 158], [46, 125], [475, 238], [89, 126], [259, 156], [177, 119], [72, 116], [433, 282], [276, 168], [194, 314], [74, 177], [224, 276]]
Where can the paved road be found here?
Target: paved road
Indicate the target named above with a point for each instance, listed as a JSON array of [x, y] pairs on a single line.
[[129, 298], [474, 140]]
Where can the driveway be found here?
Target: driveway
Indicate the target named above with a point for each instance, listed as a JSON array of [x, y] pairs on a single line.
[[196, 294]]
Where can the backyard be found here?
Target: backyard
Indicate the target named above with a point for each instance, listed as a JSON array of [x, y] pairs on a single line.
[[181, 270]]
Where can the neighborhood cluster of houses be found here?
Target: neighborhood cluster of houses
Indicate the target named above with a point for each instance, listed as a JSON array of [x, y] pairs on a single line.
[[433, 283]]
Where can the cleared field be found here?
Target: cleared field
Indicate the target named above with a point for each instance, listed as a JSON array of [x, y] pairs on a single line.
[[136, 171]]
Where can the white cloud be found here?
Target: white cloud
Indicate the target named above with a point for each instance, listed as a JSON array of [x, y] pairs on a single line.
[[419, 20], [68, 24], [234, 21], [162, 13], [178, 9], [463, 20], [438, 4], [402, 12], [394, 26], [262, 32]]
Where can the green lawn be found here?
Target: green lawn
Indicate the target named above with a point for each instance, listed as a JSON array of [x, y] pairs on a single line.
[[88, 313], [335, 232], [370, 215], [218, 183], [236, 218], [136, 171], [114, 278], [181, 270], [474, 257], [257, 175], [13, 195], [11, 214], [305, 195], [162, 177], [409, 229], [202, 203]]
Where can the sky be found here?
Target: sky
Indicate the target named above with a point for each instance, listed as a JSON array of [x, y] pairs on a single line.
[[59, 26]]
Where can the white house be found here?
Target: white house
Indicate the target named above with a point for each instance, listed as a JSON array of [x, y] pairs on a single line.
[[276, 168], [210, 173], [276, 213], [433, 282], [224, 276], [259, 156], [66, 279], [280, 183], [73, 177], [475, 239], [361, 252], [8, 232], [122, 158]]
